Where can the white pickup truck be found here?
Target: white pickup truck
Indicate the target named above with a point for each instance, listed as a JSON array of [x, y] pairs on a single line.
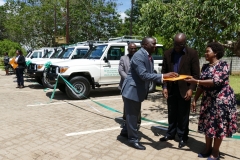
[[36, 68], [98, 67]]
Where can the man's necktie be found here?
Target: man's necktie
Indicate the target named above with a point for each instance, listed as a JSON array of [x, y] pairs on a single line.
[[150, 58]]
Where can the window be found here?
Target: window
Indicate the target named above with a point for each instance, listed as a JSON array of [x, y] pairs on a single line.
[[96, 52], [115, 53], [80, 53], [67, 53], [35, 55], [158, 54]]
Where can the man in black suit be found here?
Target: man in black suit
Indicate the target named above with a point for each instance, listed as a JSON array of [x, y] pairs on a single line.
[[184, 61]]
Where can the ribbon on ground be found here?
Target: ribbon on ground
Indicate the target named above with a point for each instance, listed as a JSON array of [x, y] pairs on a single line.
[[112, 109]]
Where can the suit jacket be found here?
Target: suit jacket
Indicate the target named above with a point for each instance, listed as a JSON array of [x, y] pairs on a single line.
[[21, 62], [123, 68], [189, 65], [136, 84]]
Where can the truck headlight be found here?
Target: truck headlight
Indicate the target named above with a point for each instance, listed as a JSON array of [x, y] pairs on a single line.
[[63, 69], [39, 66]]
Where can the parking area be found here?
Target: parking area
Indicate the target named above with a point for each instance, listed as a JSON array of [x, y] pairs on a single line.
[[35, 128]]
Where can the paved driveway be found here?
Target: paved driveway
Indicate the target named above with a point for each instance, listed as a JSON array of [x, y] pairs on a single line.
[[33, 128]]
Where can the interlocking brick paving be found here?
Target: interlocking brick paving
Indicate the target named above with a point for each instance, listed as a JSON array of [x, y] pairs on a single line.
[[32, 128]]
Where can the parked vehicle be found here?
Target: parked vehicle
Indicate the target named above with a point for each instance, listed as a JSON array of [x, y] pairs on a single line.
[[36, 69], [38, 53], [99, 67]]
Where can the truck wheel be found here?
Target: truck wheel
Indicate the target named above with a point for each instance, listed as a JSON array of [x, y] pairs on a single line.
[[38, 79], [152, 87], [82, 85], [62, 88], [46, 83]]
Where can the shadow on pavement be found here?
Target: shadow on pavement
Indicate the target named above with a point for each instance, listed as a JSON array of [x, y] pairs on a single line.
[[58, 95], [102, 92]]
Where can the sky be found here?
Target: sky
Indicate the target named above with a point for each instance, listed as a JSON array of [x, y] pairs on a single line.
[[122, 6], [2, 2]]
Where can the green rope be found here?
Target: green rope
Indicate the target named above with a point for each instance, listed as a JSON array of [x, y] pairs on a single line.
[[28, 62], [112, 109], [47, 64]]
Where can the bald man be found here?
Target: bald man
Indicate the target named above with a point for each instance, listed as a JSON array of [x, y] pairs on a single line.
[[123, 69], [136, 85], [184, 61]]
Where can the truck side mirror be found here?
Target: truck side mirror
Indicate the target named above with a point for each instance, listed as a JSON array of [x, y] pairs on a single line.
[[105, 59]]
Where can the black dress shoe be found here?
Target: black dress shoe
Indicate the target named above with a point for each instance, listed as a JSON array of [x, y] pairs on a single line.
[[138, 145], [124, 135], [204, 155], [182, 144], [166, 138]]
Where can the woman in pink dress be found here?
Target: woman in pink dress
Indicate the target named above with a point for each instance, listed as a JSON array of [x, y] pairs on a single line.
[[218, 111]]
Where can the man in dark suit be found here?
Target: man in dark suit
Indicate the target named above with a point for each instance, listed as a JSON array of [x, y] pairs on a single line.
[[136, 84], [184, 61], [123, 69]]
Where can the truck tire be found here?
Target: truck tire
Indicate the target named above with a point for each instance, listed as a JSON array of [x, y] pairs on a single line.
[[46, 83], [152, 87], [82, 85]]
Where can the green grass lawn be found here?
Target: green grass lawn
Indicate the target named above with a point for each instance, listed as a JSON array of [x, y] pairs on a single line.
[[234, 83]]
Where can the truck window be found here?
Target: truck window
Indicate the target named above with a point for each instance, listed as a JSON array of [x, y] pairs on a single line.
[[47, 55], [67, 53], [80, 53], [35, 54], [158, 54], [115, 52], [96, 52]]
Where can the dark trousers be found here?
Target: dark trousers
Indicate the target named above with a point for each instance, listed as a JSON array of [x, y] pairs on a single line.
[[178, 114], [132, 110], [19, 73], [124, 116]]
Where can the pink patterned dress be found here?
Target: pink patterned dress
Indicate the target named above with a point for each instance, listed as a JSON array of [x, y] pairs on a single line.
[[218, 112]]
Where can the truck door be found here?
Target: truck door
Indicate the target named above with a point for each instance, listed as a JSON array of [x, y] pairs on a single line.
[[109, 70]]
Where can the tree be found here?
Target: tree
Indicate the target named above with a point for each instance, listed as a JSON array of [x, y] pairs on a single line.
[[10, 47], [202, 21], [2, 28], [35, 23], [93, 19]]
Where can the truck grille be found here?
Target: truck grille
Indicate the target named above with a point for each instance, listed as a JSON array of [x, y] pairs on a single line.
[[32, 67], [54, 69]]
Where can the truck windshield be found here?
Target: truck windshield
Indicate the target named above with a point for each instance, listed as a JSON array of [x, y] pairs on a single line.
[[67, 53], [96, 52], [57, 54], [47, 55]]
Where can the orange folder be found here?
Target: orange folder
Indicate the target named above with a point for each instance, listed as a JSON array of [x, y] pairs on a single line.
[[180, 77], [13, 63]]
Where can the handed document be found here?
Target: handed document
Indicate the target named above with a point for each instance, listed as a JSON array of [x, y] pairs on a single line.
[[180, 77]]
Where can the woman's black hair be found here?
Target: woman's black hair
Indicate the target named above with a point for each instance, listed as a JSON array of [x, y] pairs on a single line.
[[217, 48]]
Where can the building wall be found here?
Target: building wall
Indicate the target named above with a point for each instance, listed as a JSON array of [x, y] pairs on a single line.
[[234, 66]]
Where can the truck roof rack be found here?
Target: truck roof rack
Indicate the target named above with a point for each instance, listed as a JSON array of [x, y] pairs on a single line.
[[135, 39], [85, 43]]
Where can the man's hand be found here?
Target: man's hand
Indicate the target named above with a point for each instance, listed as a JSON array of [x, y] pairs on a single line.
[[188, 95], [165, 92], [170, 75]]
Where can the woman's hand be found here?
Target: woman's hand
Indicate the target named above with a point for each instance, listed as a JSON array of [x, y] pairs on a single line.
[[193, 106], [190, 80]]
